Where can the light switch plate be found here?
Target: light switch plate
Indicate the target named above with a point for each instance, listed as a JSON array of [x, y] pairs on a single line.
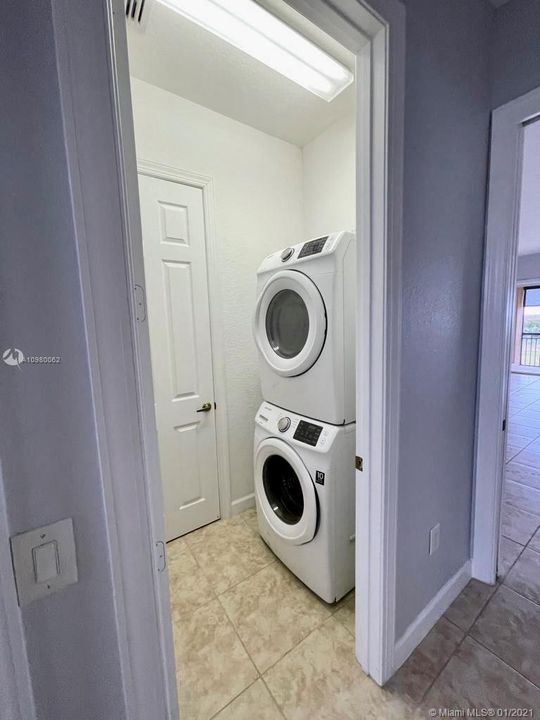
[[25, 551]]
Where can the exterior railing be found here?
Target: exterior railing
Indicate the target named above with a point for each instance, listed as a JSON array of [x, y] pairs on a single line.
[[530, 349]]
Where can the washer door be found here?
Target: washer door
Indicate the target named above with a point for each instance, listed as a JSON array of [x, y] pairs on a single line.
[[285, 492], [290, 323]]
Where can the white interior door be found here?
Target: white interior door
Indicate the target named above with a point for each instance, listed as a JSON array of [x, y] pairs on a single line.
[[175, 264]]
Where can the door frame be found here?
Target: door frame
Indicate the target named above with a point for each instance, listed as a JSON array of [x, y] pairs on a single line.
[[101, 161], [500, 261], [206, 185]]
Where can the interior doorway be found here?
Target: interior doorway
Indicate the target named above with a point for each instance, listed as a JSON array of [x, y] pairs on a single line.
[[379, 57], [507, 503], [264, 247]]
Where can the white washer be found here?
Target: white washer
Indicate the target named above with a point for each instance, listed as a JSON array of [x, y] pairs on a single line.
[[305, 495], [304, 327]]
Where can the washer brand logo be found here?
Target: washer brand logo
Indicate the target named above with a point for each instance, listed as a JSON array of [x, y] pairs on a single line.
[[319, 477]]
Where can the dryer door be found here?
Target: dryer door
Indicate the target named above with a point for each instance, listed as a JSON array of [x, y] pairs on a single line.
[[285, 492], [290, 323]]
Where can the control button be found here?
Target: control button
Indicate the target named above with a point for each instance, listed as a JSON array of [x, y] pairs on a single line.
[[284, 424], [286, 254], [45, 559]]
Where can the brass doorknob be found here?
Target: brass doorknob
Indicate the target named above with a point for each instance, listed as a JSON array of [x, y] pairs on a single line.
[[206, 407]]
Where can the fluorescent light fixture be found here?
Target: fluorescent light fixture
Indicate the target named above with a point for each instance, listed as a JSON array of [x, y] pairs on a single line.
[[255, 31]]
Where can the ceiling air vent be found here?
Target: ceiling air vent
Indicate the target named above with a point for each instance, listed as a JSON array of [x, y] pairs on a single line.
[[135, 10]]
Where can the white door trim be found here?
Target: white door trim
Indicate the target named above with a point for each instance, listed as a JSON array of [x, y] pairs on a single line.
[[105, 207], [213, 255], [497, 320]]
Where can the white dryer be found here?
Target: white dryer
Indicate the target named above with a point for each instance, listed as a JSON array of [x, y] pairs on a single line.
[[305, 496], [304, 327]]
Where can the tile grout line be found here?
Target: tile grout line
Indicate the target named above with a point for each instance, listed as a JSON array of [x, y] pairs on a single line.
[[505, 662], [259, 675], [503, 577], [518, 482], [465, 634], [513, 458], [280, 709], [230, 702], [437, 676], [217, 597], [318, 627]]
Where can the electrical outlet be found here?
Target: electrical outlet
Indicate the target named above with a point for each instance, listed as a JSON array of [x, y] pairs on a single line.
[[434, 538]]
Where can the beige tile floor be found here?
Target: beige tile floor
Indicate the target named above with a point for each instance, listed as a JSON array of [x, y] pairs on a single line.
[[253, 643]]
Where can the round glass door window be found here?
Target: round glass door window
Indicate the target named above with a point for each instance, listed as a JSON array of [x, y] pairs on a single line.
[[287, 323], [290, 323], [283, 489]]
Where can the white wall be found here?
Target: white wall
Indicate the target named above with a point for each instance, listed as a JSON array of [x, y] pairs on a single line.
[[329, 180], [528, 267], [529, 212], [258, 209]]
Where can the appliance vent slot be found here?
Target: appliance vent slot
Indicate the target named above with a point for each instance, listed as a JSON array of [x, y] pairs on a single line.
[[134, 10]]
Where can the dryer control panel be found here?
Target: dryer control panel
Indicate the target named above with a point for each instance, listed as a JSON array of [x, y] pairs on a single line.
[[313, 247], [296, 429], [309, 251]]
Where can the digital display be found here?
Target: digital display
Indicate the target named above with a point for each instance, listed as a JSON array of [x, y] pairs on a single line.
[[307, 433], [313, 247]]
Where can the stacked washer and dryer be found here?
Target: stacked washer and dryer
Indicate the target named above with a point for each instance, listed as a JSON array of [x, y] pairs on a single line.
[[304, 327]]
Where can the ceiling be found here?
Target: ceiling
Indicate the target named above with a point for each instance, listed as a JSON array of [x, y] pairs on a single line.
[[179, 56], [529, 217]]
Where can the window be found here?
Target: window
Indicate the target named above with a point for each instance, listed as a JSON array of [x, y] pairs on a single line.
[[530, 335]]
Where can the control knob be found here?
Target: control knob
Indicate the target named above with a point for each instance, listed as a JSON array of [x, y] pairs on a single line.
[[284, 424], [286, 254]]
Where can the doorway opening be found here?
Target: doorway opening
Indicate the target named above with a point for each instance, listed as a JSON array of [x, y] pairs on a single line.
[[247, 190], [379, 68], [521, 491], [507, 505]]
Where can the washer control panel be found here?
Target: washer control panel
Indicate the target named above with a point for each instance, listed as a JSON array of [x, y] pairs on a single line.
[[308, 433], [295, 429]]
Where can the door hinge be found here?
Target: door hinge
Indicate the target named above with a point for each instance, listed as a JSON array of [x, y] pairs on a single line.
[[161, 556], [504, 424], [359, 463], [140, 303]]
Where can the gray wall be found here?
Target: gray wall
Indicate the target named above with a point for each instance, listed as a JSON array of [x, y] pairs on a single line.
[[446, 149], [528, 267], [47, 436], [515, 50]]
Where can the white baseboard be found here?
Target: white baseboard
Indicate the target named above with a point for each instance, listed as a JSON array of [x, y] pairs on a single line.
[[423, 623], [243, 503]]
